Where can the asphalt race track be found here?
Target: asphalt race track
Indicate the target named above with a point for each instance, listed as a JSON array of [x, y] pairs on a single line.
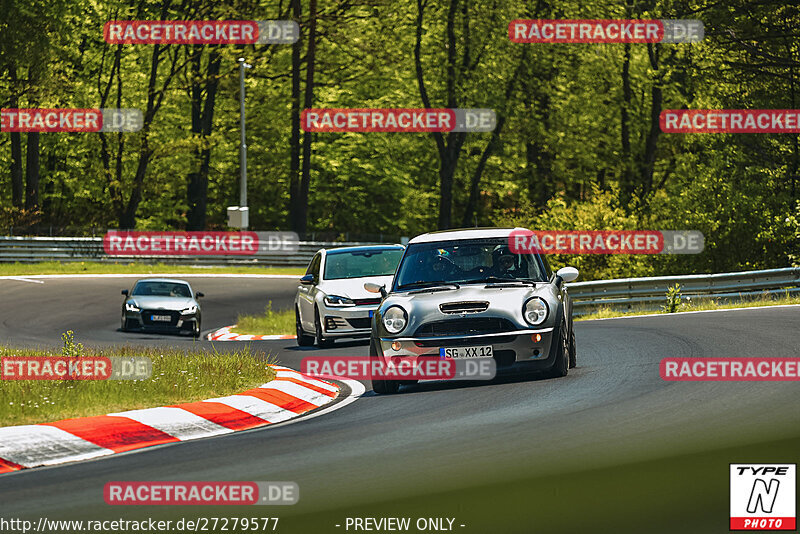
[[609, 448]]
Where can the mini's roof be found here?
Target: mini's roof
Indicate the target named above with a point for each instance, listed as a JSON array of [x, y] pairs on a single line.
[[465, 233]]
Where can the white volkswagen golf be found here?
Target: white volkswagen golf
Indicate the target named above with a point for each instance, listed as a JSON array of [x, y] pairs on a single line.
[[331, 301]]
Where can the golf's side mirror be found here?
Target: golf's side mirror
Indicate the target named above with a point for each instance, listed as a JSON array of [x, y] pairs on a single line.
[[125, 292], [199, 294], [307, 279], [372, 287]]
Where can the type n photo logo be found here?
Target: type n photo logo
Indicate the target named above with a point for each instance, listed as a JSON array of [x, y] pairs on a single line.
[[763, 497]]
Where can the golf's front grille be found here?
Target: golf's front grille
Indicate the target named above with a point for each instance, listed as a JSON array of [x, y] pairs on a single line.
[[367, 302], [360, 322], [147, 317], [465, 327]]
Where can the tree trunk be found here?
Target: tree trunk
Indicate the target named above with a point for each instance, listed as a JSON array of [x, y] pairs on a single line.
[[294, 140], [308, 137], [32, 172], [626, 180], [202, 125], [16, 146]]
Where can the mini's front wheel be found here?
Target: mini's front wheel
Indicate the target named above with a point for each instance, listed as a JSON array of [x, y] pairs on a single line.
[[381, 387]]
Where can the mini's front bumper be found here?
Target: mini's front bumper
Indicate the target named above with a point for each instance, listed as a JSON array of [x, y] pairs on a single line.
[[509, 348]]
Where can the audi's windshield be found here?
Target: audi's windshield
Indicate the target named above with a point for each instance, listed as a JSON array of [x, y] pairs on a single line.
[[467, 261]]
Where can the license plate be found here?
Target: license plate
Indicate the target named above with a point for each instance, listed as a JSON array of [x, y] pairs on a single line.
[[466, 352], [161, 318]]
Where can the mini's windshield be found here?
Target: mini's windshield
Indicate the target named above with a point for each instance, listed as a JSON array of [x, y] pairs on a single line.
[[464, 262], [161, 289], [361, 263]]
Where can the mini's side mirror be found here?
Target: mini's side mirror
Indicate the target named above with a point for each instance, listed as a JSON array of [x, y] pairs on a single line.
[[199, 294], [307, 279], [567, 274], [372, 287], [125, 292]]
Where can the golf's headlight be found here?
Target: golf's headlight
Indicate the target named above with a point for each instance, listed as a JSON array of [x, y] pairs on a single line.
[[395, 319], [190, 310], [131, 307], [535, 311], [335, 300]]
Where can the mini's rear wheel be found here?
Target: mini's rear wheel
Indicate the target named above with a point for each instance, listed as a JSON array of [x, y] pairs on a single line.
[[561, 364], [572, 350]]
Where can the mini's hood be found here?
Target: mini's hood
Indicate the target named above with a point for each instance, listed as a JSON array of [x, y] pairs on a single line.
[[354, 287], [505, 302], [162, 303]]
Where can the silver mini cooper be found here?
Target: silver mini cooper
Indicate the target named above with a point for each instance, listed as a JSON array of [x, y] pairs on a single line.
[[458, 293]]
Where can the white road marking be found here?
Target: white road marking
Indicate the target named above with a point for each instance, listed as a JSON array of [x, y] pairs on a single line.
[[691, 312], [22, 279], [257, 407], [176, 422], [35, 445]]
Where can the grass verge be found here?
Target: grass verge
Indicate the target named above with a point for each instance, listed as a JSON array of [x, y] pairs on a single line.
[[177, 377], [81, 267], [687, 305], [271, 323]]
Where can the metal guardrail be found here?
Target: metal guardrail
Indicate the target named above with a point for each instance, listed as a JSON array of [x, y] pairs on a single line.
[[36, 249], [620, 294], [650, 293]]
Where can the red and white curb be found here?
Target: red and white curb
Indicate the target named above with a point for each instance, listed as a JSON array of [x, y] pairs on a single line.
[[288, 395], [225, 334]]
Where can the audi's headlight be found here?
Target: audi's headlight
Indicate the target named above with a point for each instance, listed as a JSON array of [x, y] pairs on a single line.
[[395, 319], [335, 300], [190, 310], [131, 307], [535, 311]]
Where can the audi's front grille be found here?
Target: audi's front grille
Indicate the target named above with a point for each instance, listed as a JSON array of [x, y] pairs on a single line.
[[147, 317], [464, 307], [465, 327]]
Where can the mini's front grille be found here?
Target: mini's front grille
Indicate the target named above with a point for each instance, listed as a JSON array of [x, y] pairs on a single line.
[[465, 327], [367, 302], [148, 314], [360, 322], [464, 307], [467, 342]]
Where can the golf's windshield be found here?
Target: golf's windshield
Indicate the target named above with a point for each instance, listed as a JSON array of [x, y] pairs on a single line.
[[467, 261], [161, 289], [361, 263]]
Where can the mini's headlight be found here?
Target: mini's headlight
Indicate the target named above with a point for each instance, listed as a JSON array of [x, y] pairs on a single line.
[[190, 310], [131, 307], [335, 300], [395, 319], [535, 311]]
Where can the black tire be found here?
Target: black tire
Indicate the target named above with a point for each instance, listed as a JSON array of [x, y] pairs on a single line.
[[381, 387], [123, 325], [561, 364], [196, 330], [319, 338], [573, 362], [303, 339]]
